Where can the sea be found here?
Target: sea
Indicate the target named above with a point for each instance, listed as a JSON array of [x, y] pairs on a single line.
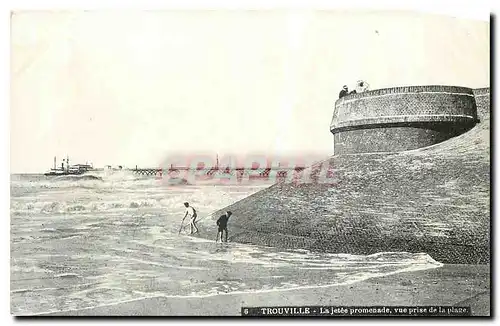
[[79, 242]]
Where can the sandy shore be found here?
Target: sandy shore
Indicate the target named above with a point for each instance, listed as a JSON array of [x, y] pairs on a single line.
[[461, 285]]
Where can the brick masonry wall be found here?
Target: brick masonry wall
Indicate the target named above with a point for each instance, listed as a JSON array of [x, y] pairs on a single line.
[[393, 139], [434, 200], [408, 89], [482, 96], [401, 107]]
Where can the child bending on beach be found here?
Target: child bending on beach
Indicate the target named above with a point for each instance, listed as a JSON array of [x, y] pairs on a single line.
[[222, 224], [191, 212]]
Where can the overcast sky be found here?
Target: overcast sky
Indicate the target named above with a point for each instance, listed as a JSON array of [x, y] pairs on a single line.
[[130, 87]]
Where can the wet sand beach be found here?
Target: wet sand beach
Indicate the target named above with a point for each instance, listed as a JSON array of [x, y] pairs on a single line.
[[78, 244], [459, 285]]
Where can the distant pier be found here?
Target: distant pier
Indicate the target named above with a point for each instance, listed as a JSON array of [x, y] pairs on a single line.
[[148, 171], [240, 172]]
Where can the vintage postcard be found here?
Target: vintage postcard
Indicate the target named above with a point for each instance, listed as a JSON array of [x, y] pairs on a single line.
[[272, 163]]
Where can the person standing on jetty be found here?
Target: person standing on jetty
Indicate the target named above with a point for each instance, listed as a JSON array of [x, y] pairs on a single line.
[[191, 212], [344, 91], [222, 224]]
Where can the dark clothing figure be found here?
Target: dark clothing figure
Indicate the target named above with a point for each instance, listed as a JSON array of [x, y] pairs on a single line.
[[222, 224], [344, 91], [353, 92]]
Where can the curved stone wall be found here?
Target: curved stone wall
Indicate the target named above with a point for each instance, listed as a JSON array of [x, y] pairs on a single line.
[[434, 200], [401, 118]]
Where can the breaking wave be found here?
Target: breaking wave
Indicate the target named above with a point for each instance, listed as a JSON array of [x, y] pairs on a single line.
[[83, 177]]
